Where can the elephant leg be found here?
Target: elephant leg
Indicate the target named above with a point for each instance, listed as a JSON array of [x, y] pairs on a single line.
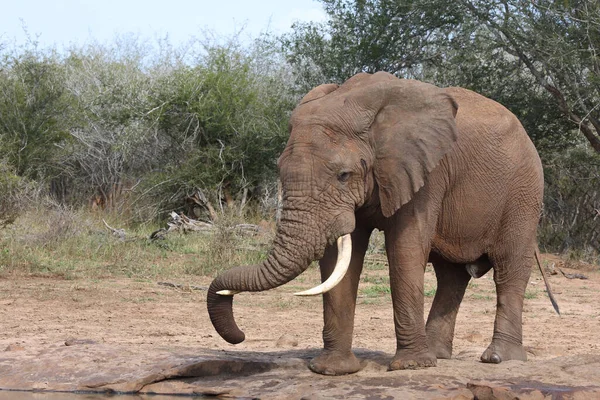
[[339, 304], [511, 274], [452, 281], [408, 257]]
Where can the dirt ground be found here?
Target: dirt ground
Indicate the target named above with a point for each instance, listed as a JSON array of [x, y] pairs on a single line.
[[41, 314]]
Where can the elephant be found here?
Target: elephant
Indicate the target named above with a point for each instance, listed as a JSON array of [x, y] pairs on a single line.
[[449, 176]]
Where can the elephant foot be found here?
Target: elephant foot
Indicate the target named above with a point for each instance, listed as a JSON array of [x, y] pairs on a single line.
[[499, 351], [442, 350], [335, 363], [406, 359]]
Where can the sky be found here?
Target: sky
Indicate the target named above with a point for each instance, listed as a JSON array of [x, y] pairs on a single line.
[[63, 22]]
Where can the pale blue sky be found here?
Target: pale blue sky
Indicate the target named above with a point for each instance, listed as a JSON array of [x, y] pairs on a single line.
[[62, 22]]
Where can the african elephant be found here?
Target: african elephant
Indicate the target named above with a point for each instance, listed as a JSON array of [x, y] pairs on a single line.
[[448, 175]]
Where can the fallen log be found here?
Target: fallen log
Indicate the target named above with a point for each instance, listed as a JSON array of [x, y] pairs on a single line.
[[185, 224], [572, 276]]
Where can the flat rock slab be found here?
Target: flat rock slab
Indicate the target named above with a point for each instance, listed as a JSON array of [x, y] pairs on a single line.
[[91, 367]]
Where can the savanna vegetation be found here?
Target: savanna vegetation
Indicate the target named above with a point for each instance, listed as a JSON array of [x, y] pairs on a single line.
[[130, 131]]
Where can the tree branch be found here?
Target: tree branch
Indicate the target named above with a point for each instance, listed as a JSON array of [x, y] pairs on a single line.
[[590, 134]]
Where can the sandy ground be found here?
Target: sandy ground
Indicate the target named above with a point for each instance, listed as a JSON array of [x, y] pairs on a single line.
[[39, 312]]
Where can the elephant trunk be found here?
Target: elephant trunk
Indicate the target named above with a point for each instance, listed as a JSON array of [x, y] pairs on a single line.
[[264, 276], [295, 246]]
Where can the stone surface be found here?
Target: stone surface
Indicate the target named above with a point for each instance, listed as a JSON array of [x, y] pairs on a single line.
[[96, 367]]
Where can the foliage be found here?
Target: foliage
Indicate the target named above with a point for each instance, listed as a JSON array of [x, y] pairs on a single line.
[[365, 36], [476, 61], [140, 128], [571, 218], [113, 141], [537, 57], [33, 110], [227, 120], [557, 44], [136, 129]]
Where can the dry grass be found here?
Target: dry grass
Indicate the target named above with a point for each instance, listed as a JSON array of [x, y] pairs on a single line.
[[65, 243], [70, 244]]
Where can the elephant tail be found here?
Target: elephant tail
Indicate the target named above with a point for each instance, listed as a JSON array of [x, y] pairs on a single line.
[[548, 288]]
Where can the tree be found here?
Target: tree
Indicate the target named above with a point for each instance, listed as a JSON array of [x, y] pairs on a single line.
[[226, 117], [101, 121], [366, 36], [523, 53], [557, 42], [570, 221], [114, 138], [34, 109]]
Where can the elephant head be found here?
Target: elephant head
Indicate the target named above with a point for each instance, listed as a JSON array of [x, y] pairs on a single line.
[[372, 140]]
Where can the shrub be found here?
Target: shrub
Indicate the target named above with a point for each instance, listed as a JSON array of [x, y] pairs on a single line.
[[571, 218], [13, 194], [34, 110], [226, 120]]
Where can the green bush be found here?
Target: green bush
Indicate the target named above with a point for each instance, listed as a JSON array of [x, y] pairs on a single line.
[[227, 121], [136, 129], [571, 218], [34, 109]]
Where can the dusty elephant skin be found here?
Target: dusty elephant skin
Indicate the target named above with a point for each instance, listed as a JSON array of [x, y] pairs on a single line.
[[449, 176]]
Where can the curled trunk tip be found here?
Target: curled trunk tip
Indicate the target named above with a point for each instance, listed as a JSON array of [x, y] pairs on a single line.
[[220, 310]]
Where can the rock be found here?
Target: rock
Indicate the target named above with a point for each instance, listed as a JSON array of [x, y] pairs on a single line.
[[488, 391], [461, 394], [533, 395], [286, 340], [467, 395], [14, 347], [482, 391], [585, 395], [281, 374]]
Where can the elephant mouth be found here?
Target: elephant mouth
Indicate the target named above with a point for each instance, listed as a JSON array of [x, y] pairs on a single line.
[[344, 246]]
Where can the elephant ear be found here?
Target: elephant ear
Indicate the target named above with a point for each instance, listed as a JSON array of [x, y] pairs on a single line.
[[318, 92], [414, 128]]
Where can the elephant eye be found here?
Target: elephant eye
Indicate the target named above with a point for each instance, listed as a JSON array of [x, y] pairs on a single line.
[[344, 176]]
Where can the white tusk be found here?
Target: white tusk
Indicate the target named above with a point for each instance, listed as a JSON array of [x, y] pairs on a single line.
[[228, 292], [344, 244]]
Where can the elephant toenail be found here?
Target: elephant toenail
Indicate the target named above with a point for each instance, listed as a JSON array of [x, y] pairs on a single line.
[[495, 358]]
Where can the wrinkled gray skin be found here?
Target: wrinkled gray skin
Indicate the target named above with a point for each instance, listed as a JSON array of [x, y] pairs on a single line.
[[448, 175]]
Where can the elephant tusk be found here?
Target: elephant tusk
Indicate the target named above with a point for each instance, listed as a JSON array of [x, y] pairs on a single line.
[[344, 244], [228, 292]]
